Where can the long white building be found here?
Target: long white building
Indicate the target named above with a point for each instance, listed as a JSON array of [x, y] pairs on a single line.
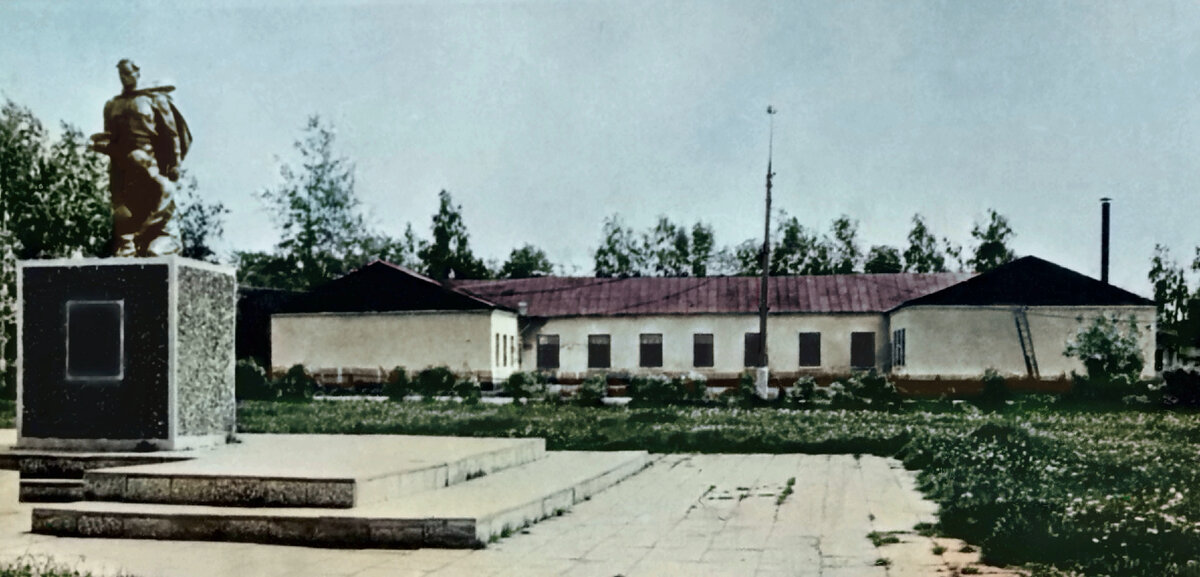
[[927, 330]]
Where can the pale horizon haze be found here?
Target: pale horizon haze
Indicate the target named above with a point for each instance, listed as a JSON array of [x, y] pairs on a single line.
[[543, 118]]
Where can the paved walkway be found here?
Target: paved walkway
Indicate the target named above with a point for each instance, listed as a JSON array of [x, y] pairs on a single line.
[[686, 515]]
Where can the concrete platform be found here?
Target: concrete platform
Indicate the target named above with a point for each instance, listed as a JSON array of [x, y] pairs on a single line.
[[338, 471], [465, 515]]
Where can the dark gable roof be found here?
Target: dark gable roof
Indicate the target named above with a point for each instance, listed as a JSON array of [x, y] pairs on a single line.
[[1031, 281], [381, 286], [573, 296]]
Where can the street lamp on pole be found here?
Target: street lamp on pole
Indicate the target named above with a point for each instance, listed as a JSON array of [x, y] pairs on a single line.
[[762, 375]]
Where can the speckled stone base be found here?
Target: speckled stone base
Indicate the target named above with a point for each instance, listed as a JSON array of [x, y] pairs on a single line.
[[125, 354]]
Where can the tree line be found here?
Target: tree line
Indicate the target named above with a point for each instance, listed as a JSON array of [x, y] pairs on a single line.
[[670, 249]]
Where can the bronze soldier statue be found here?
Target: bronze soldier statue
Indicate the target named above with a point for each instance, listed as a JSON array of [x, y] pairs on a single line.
[[145, 138]]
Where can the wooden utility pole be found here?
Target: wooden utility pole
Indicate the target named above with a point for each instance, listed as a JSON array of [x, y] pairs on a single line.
[[762, 376]]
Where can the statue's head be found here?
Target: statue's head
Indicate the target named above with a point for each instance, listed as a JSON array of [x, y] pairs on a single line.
[[129, 73]]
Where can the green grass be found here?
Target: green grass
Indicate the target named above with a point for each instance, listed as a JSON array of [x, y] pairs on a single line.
[[1098, 491], [40, 566]]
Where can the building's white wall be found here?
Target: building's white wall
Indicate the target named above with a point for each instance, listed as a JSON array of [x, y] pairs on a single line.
[[962, 342], [465, 341], [728, 342], [505, 345]]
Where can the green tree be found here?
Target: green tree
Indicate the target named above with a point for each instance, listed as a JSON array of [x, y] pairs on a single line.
[[401, 251], [992, 249], [54, 195], [883, 260], [525, 262], [798, 251], [619, 254], [1171, 293], [316, 209], [201, 223], [703, 246], [666, 249], [923, 254], [449, 252], [844, 250]]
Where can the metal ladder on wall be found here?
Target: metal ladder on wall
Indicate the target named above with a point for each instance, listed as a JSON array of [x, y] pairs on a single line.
[[1026, 339]]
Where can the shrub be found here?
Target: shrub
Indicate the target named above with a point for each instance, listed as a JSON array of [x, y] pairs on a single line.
[[802, 392], [657, 390], [995, 392], [1181, 387], [295, 385], [251, 382], [521, 385], [468, 390], [746, 393], [1111, 356], [398, 385], [435, 381], [874, 388], [592, 391]]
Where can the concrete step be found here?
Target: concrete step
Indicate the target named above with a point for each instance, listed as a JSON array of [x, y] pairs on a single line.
[[334, 471], [50, 490], [466, 515], [40, 464]]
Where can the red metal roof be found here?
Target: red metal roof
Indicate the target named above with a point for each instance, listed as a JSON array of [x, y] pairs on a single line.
[[575, 296]]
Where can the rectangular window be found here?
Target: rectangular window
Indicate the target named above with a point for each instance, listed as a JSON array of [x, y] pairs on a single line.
[[547, 351], [497, 357], [862, 350], [599, 351], [515, 353], [810, 349], [702, 350], [504, 345], [752, 356], [651, 350], [898, 346]]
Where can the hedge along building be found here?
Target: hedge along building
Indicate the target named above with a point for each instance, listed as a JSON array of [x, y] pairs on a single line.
[[823, 326], [1015, 319], [381, 316]]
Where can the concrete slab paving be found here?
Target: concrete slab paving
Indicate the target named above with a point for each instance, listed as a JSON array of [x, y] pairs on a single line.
[[685, 515]]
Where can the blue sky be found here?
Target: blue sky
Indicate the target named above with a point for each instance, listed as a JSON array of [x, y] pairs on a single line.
[[542, 118]]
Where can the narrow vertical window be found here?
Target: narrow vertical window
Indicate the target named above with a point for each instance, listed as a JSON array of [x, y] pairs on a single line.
[[862, 350], [753, 355], [810, 349], [547, 351], [651, 350], [702, 350], [898, 348], [599, 351]]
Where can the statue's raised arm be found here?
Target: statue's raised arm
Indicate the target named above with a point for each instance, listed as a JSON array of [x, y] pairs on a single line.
[[146, 139]]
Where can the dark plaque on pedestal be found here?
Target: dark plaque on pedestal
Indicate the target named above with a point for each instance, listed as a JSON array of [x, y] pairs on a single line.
[[124, 354]]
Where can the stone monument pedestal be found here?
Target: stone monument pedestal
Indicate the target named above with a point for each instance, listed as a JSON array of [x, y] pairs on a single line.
[[125, 354]]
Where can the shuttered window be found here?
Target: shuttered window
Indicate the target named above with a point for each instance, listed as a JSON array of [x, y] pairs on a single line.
[[547, 351], [810, 349], [599, 351], [651, 350], [702, 350], [862, 350]]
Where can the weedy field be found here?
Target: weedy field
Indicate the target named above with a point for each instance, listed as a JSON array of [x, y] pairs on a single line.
[[1097, 491]]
